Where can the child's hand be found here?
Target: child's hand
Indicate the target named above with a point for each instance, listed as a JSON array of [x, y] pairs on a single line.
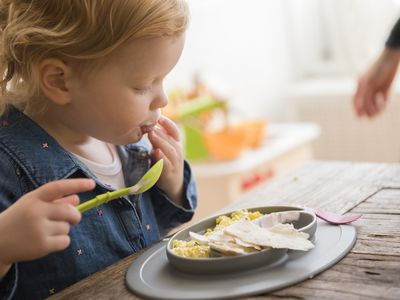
[[165, 139], [39, 222]]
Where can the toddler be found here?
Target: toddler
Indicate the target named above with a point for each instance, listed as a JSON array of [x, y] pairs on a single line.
[[82, 85]]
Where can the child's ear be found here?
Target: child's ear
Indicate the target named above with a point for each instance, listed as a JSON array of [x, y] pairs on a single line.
[[53, 75]]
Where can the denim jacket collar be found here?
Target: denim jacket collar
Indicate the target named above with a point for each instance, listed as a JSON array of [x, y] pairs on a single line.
[[34, 149]]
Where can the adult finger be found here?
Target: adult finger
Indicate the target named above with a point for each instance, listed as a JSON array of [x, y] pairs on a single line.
[[381, 102], [369, 103], [60, 188], [358, 98]]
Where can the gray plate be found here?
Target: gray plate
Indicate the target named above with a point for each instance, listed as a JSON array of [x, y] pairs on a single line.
[[151, 275]]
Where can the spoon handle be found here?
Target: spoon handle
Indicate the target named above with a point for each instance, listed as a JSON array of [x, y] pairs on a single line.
[[144, 183], [103, 198], [337, 219]]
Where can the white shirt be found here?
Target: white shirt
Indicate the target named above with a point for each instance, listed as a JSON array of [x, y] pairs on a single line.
[[109, 174]]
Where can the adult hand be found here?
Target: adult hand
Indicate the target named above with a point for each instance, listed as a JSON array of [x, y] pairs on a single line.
[[374, 85]]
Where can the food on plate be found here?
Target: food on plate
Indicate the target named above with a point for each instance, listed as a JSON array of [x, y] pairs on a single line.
[[191, 249], [277, 236], [245, 232], [224, 221], [198, 247]]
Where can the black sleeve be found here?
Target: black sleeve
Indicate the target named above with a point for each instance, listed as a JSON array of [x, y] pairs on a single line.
[[394, 38]]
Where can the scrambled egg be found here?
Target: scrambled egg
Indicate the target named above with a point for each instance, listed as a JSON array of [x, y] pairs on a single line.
[[190, 249], [195, 250]]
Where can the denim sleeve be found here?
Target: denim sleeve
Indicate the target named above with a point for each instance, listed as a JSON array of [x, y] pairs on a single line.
[[8, 284], [10, 191], [394, 38], [169, 214]]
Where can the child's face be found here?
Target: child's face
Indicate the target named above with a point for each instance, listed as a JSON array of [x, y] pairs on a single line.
[[116, 103]]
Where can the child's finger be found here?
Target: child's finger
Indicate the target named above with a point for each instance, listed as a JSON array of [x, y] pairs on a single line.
[[60, 228], [170, 128], [157, 154], [64, 212], [58, 242], [60, 188], [71, 199], [161, 143]]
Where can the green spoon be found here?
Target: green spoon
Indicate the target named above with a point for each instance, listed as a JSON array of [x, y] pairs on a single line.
[[144, 183]]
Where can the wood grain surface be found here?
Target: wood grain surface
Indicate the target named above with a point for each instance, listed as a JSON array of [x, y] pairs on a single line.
[[370, 271]]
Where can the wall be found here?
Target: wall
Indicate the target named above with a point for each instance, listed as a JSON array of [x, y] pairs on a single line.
[[250, 51], [241, 49], [328, 102], [295, 60]]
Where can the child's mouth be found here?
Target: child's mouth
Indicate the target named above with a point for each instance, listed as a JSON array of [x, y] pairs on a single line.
[[147, 128]]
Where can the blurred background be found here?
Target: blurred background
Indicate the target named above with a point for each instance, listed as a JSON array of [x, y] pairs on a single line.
[[284, 71]]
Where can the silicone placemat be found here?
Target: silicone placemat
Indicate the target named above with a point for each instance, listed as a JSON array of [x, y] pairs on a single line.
[[151, 276]]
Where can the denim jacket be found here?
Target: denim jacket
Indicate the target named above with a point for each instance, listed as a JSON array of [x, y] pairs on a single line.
[[29, 158]]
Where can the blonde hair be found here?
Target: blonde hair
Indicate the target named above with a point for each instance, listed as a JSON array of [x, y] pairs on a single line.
[[82, 32]]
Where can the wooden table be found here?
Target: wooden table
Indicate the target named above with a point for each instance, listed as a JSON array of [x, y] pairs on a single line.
[[370, 271]]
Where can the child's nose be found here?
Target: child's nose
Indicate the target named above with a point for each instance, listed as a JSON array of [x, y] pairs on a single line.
[[160, 99]]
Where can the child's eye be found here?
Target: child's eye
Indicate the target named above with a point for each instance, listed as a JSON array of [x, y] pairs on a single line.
[[141, 90]]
